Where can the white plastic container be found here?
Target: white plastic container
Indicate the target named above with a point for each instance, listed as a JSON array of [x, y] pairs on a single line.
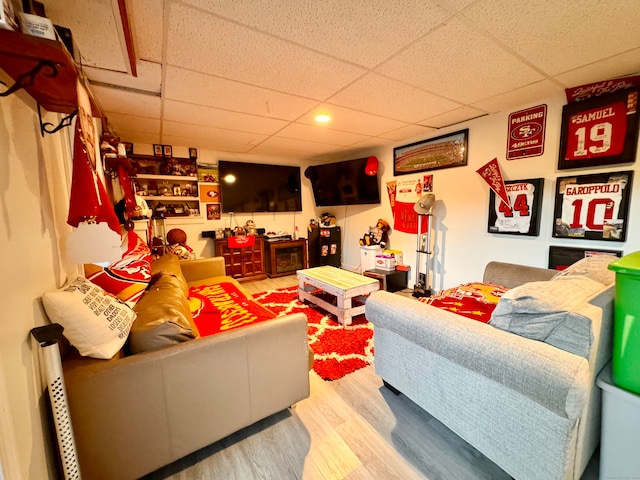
[[620, 429], [368, 257]]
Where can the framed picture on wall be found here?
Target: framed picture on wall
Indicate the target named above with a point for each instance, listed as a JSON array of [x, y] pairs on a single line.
[[561, 257], [440, 152], [599, 131], [522, 217], [593, 207]]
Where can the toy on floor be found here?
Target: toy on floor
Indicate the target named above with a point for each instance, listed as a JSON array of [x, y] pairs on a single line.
[[378, 235], [177, 244]]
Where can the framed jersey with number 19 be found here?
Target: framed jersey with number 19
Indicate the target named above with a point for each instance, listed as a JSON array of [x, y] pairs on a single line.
[[522, 216], [599, 131]]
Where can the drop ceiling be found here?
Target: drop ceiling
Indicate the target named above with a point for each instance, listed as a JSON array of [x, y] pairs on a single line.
[[249, 76]]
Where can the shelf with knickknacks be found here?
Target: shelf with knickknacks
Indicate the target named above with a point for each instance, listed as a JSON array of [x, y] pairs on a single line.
[[169, 185]]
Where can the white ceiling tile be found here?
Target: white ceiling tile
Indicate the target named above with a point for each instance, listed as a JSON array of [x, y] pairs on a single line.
[[520, 97], [389, 98], [147, 19], [221, 144], [135, 136], [481, 68], [149, 77], [96, 29], [560, 36], [352, 121], [618, 66], [320, 133], [178, 129], [299, 146], [129, 123], [376, 28], [130, 103], [199, 88], [452, 117], [219, 47], [407, 132], [215, 117]]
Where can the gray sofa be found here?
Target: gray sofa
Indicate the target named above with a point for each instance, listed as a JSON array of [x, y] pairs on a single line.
[[528, 405], [135, 413]]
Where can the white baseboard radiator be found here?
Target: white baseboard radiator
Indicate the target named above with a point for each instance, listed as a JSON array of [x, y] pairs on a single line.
[[51, 370]]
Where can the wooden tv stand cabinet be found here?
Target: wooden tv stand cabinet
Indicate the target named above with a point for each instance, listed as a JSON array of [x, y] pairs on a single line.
[[243, 264]]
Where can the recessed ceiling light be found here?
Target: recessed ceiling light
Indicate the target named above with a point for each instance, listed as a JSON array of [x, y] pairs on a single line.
[[323, 118]]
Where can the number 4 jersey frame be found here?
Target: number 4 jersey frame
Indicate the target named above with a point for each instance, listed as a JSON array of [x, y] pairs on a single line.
[[600, 131], [522, 217], [593, 206]]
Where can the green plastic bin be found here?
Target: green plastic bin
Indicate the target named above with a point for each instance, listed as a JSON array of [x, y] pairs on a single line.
[[626, 327]]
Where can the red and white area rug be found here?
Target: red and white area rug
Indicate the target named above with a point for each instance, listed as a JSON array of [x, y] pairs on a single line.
[[338, 350]]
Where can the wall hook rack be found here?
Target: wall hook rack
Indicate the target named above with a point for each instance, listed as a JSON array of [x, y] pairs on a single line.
[[46, 127]]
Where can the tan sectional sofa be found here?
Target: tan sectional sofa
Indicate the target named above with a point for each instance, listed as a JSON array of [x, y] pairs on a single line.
[[138, 412], [528, 401]]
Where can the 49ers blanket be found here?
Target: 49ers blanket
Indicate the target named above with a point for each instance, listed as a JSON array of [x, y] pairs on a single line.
[[221, 307]]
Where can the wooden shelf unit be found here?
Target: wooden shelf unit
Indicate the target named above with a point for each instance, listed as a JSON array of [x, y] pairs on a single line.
[[243, 264], [53, 84], [178, 193]]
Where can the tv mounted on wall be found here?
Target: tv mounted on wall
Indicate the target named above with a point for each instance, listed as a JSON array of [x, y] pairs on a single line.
[[343, 183], [256, 187]]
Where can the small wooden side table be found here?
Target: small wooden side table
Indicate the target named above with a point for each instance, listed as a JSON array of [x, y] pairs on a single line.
[[390, 280]]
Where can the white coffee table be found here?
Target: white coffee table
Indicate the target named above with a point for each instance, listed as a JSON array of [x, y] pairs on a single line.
[[345, 286]]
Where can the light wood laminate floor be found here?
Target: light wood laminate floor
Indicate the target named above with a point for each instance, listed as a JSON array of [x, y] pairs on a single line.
[[352, 428]]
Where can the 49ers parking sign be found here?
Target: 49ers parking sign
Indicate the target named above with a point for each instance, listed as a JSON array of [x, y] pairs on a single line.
[[526, 133], [600, 131]]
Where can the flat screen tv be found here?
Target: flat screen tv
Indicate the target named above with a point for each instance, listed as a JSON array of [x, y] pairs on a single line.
[[343, 183], [256, 187]]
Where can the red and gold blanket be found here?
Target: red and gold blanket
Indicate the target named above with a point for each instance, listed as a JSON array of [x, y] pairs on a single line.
[[474, 300], [222, 307]]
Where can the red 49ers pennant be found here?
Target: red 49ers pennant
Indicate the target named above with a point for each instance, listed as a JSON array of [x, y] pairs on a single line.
[[492, 174]]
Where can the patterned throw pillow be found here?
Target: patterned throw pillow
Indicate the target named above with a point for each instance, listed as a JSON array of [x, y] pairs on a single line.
[[128, 277], [94, 321]]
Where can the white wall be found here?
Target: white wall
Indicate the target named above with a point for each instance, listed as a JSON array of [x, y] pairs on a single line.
[[462, 245], [285, 222], [30, 266]]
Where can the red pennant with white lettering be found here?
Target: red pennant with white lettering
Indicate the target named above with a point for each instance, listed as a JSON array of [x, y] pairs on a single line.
[[492, 174]]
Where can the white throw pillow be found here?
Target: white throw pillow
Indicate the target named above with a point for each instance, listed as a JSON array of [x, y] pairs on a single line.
[[94, 321]]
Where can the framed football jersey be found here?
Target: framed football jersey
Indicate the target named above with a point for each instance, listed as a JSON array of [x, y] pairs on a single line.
[[599, 131], [522, 215], [593, 207]]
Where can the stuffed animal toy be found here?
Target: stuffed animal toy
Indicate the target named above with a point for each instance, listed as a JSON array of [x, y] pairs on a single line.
[[378, 235]]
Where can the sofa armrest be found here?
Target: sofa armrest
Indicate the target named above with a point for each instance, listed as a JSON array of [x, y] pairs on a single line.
[[551, 377], [194, 270], [511, 275], [167, 403]]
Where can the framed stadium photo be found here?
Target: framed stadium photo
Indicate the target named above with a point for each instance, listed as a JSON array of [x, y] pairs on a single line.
[[593, 207], [441, 152], [599, 131], [522, 216]]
